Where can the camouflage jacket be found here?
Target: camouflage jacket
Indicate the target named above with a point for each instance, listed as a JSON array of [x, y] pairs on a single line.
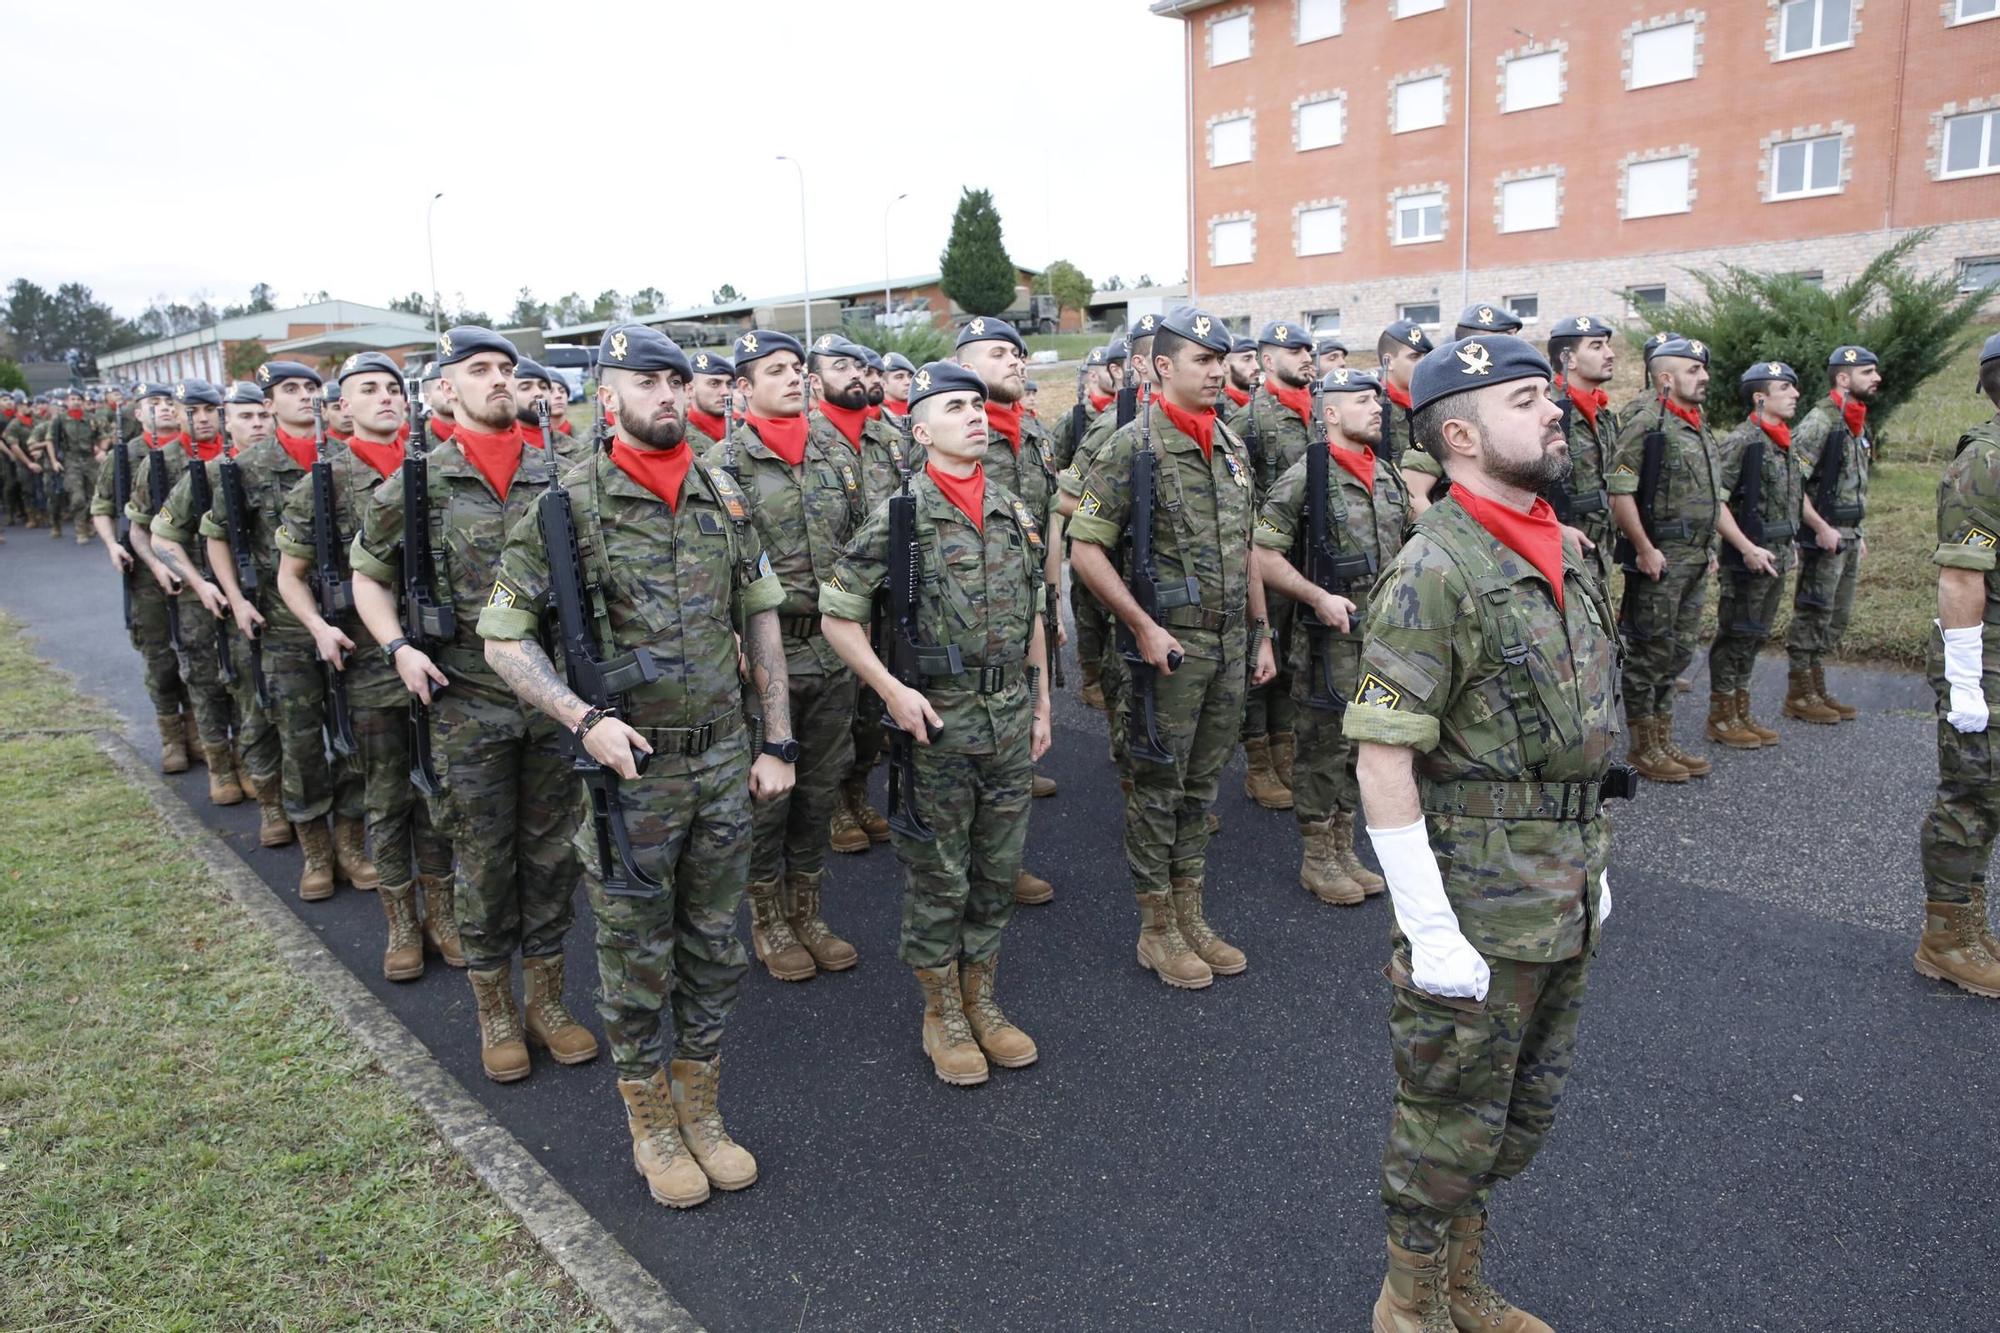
[[267, 472], [1398, 442], [75, 442], [1683, 512], [1028, 473], [981, 593], [19, 427], [1068, 436], [1360, 519], [881, 463], [144, 462], [1777, 519], [1850, 495], [371, 681], [1273, 436], [1446, 618], [1968, 526], [1590, 448], [1070, 480]]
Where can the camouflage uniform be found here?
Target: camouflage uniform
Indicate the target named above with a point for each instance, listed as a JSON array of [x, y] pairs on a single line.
[[1501, 751], [1661, 619], [1093, 627], [148, 626], [675, 583], [1096, 630], [982, 592], [13, 477], [201, 676], [1591, 443], [1823, 600], [75, 444], [1275, 438], [1747, 601], [510, 805]]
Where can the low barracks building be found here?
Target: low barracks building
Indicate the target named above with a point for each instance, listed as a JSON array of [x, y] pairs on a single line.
[[1353, 162]]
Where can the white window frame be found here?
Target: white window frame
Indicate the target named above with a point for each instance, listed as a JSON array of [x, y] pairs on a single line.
[[1396, 92], [1513, 303], [1958, 14], [1249, 123], [1418, 201], [1507, 105], [1339, 211], [1633, 305], [1339, 105], [1215, 27], [1965, 265], [1555, 213], [1216, 229], [1403, 309], [1299, 37], [1687, 204], [1648, 35], [1785, 13], [1989, 145], [1409, 9], [1809, 145], [1313, 320]]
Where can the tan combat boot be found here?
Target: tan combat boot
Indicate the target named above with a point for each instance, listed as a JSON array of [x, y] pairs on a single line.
[[1751, 724], [1032, 890], [1663, 732], [191, 737], [1092, 693], [1647, 758], [1041, 785], [771, 937], [223, 789], [244, 777], [830, 953], [658, 1154], [1164, 950], [871, 820], [1985, 929], [1260, 780], [350, 854], [1474, 1303], [843, 832], [549, 1022], [1724, 728], [1847, 712], [403, 955], [1223, 958], [1320, 871], [1343, 841], [1415, 1297], [1284, 750], [502, 1051], [441, 919], [1802, 701], [999, 1040], [173, 744], [1953, 949], [273, 829], [948, 1040], [695, 1085], [316, 878]]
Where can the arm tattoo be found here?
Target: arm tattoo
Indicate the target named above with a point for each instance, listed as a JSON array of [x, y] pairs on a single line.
[[165, 552], [766, 652], [531, 675]]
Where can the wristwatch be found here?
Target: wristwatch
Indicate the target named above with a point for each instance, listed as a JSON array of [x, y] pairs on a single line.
[[787, 749], [389, 649]]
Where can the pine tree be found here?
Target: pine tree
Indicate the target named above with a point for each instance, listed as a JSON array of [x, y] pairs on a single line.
[[977, 272]]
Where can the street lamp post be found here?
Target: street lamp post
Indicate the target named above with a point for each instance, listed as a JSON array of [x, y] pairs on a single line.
[[430, 244], [805, 262], [887, 300]]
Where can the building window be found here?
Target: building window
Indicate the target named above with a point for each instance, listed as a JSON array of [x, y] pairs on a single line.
[[1232, 241], [1407, 8], [1662, 55], [1811, 277], [1649, 297], [1229, 141], [1229, 39], [1322, 124], [1322, 229], [1527, 306], [1968, 11], [1805, 167], [1971, 145], [1532, 81], [1659, 187], [1419, 104], [1419, 217], [1534, 204], [1318, 19], [1806, 27], [1323, 321], [1419, 312], [1979, 273]]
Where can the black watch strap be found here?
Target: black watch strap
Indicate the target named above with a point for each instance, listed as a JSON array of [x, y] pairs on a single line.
[[787, 749], [390, 648]]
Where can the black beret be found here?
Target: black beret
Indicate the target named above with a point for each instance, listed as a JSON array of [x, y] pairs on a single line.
[[1489, 317], [1762, 371], [1327, 342], [872, 357], [1990, 352], [1410, 333], [1237, 345], [431, 371], [368, 363], [244, 392], [1118, 349], [273, 371], [1350, 379], [524, 369], [1465, 364], [331, 392], [1655, 341], [1693, 349], [1844, 357], [198, 393], [1581, 326], [712, 363], [1198, 326], [1096, 357], [897, 361], [986, 328], [469, 340], [641, 347], [938, 377], [759, 343], [1143, 327], [839, 344], [154, 389], [1282, 333]]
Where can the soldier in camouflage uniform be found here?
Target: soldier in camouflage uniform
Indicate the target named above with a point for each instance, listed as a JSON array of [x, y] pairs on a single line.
[[408, 849], [1205, 506], [1756, 458], [14, 472], [510, 799], [1647, 400], [1958, 944], [708, 398], [534, 389], [1581, 350], [982, 598], [669, 547], [1367, 513], [70, 449], [1240, 377], [1834, 507], [1104, 371], [1400, 347], [805, 502], [1329, 353], [897, 372], [1487, 717]]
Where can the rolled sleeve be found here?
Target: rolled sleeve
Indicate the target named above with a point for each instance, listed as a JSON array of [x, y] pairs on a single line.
[[767, 593], [1961, 556], [1386, 726], [292, 543], [844, 605], [498, 622], [364, 561]]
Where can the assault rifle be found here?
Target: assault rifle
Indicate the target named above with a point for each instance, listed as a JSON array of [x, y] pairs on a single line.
[[1143, 735], [1320, 561], [906, 578], [203, 496], [156, 500], [429, 622], [1826, 493], [1570, 506], [334, 594], [121, 525], [236, 526], [1652, 461]]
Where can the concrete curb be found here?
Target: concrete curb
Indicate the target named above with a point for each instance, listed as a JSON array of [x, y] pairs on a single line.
[[622, 1290]]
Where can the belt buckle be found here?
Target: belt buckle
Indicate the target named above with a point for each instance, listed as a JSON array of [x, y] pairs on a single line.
[[1571, 803], [992, 679]]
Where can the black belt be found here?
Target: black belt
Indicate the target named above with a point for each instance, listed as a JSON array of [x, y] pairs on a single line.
[[691, 741], [1572, 802], [799, 627], [1198, 617], [976, 680]]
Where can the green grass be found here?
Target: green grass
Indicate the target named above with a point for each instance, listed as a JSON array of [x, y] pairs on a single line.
[[1069, 346], [188, 1138]]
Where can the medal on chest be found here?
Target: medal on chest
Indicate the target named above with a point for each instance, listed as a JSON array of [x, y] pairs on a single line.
[[1237, 472]]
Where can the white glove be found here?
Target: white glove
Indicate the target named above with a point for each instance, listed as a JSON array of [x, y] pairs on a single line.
[[1961, 672], [1441, 961], [1603, 896]]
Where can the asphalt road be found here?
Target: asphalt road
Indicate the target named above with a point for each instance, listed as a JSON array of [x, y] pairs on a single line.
[[1773, 1122]]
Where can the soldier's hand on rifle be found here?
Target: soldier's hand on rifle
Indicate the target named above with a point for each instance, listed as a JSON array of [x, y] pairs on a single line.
[[169, 585], [1265, 669], [1154, 645], [1760, 561], [1577, 535], [34, 467], [1041, 735], [121, 559], [1334, 611], [332, 645], [1826, 537], [421, 677], [611, 743], [771, 777], [1652, 563], [249, 620], [913, 713], [212, 598]]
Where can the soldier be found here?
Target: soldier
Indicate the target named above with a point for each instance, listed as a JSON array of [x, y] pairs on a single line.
[[896, 375], [1580, 349], [438, 397], [1834, 506], [1329, 353], [668, 951], [872, 367], [339, 417], [1241, 381], [1646, 400], [1486, 716], [1760, 478], [1958, 944], [708, 397], [805, 502], [1486, 318], [19, 474], [1200, 649], [70, 448], [1400, 347], [559, 413], [1104, 370], [1367, 512], [246, 416], [510, 801], [408, 849], [534, 390]]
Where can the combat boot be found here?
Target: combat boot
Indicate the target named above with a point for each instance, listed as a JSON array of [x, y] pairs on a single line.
[[223, 789], [191, 737], [1223, 958], [948, 1040], [1032, 890], [1750, 724], [1985, 928], [830, 953], [1724, 728], [244, 777], [1260, 780], [1040, 785], [1284, 750], [441, 919], [771, 937], [1343, 841], [1645, 754], [1475, 1306], [350, 853], [1953, 949], [403, 955], [273, 828], [672, 1176], [549, 1022], [1320, 871], [1092, 693], [1663, 731], [1847, 712], [843, 834], [1164, 950], [999, 1040], [502, 1051], [871, 820], [316, 877], [1415, 1295], [173, 744], [1802, 701], [83, 536], [696, 1085]]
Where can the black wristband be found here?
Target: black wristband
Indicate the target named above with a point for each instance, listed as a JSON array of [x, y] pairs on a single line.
[[390, 648], [591, 719]]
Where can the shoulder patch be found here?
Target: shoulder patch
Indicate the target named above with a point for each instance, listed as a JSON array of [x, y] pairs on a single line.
[[1377, 693], [726, 491], [1089, 505], [1623, 470], [1266, 525], [1028, 524], [503, 597], [847, 478], [1980, 538]]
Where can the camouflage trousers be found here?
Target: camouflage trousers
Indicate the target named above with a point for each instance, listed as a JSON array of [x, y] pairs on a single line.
[[148, 634], [1268, 709], [677, 947], [315, 781], [1822, 604], [1323, 783], [1477, 1085], [511, 814], [790, 832], [68, 493], [1744, 607], [958, 891], [256, 728], [201, 672], [13, 491], [867, 733], [401, 831], [1661, 624], [1200, 711], [1093, 625], [1958, 833]]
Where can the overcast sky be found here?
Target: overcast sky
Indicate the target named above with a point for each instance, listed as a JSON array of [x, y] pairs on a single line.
[[195, 149]]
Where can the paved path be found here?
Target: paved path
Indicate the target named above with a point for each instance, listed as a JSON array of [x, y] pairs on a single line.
[[1774, 1124]]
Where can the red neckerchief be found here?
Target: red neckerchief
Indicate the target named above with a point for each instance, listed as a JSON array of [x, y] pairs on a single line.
[[6, 414], [75, 413], [205, 450], [1005, 418], [849, 421], [1300, 400], [338, 438], [564, 427], [1197, 426], [1534, 536], [299, 447], [1400, 397], [783, 436], [532, 434], [1691, 415], [1100, 401], [403, 434], [660, 471], [444, 428], [498, 457], [967, 494], [712, 426], [874, 411], [162, 441], [1587, 401], [384, 458], [900, 406], [1780, 432], [1236, 395], [1360, 462], [1853, 411]]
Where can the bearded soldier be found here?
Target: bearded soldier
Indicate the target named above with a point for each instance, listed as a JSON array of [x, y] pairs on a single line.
[[708, 397], [1240, 381], [1400, 347], [1835, 456], [1582, 354]]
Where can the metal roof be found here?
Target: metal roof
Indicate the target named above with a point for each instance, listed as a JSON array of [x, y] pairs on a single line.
[[268, 325]]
